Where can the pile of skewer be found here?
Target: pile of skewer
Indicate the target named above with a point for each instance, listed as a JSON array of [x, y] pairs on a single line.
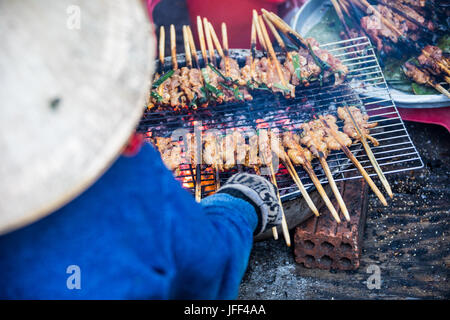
[[319, 137], [406, 28], [206, 81]]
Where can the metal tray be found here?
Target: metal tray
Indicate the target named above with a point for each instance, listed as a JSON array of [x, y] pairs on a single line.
[[313, 11]]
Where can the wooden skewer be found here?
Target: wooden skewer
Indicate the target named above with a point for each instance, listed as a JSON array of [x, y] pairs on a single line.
[[439, 63], [356, 163], [253, 50], [198, 174], [276, 34], [192, 46], [209, 42], [274, 229], [259, 33], [226, 49], [290, 167], [345, 7], [201, 38], [285, 28], [162, 43], [334, 187], [341, 17], [439, 88], [308, 168], [370, 154], [173, 47], [271, 51], [215, 40], [380, 16], [187, 48], [284, 225]]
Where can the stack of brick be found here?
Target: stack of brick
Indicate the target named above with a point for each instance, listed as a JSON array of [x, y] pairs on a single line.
[[321, 242]]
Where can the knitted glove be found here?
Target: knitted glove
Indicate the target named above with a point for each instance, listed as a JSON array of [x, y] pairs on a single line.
[[260, 193]]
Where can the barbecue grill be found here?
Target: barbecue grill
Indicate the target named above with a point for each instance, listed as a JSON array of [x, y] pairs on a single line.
[[365, 87]]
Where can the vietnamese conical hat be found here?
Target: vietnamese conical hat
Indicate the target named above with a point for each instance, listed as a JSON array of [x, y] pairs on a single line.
[[74, 79]]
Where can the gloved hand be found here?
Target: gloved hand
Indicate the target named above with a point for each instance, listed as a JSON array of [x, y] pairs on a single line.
[[260, 193]]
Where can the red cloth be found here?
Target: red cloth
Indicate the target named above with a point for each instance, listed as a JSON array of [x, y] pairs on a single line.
[[440, 116]]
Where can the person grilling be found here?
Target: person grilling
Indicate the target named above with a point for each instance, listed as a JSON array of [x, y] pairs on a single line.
[[79, 218]]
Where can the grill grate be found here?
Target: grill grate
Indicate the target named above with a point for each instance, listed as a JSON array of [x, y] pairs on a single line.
[[365, 88]]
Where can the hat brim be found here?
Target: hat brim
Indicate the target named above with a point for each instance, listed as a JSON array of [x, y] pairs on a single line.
[[72, 94]]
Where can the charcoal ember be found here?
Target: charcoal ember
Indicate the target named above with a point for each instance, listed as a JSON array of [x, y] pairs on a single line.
[[321, 242]]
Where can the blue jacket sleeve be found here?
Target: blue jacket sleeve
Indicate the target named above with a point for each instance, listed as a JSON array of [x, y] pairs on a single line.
[[134, 234]]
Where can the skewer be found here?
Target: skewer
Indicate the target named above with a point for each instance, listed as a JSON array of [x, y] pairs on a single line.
[[310, 171], [290, 167], [162, 36], [344, 5], [225, 49], [439, 63], [278, 149], [209, 42], [201, 38], [198, 174], [187, 48], [252, 50], [272, 52], [370, 154], [295, 37], [334, 187], [284, 225], [215, 40], [259, 33], [192, 46], [276, 34], [301, 158], [173, 47], [341, 17], [355, 162], [285, 28]]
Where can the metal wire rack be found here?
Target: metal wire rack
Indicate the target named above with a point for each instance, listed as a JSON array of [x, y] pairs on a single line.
[[365, 87]]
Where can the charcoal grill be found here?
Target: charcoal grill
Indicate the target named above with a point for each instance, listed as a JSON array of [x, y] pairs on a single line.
[[365, 87]]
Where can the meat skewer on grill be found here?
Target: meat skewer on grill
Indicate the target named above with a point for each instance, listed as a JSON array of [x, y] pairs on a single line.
[[314, 137], [339, 140], [355, 121], [326, 63], [278, 149], [290, 89], [303, 157], [422, 77]]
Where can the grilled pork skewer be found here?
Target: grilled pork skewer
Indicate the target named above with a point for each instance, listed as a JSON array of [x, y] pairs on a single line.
[[278, 149], [303, 157], [423, 77], [314, 137], [288, 87], [353, 117], [331, 129]]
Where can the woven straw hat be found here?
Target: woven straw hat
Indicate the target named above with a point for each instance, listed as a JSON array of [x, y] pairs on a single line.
[[74, 78]]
